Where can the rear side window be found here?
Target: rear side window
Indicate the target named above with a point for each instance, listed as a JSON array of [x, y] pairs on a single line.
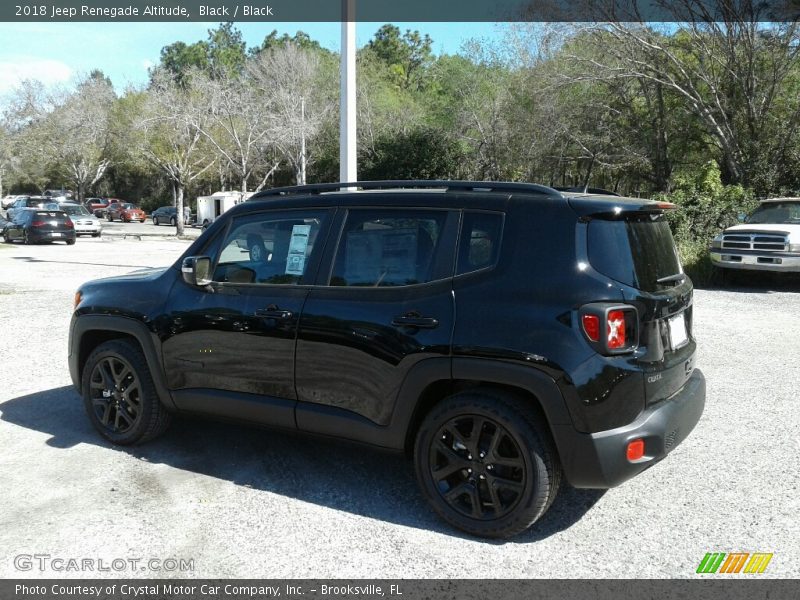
[[480, 241], [637, 252], [382, 248]]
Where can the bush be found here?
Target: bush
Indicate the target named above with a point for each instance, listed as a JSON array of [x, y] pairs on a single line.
[[705, 207]]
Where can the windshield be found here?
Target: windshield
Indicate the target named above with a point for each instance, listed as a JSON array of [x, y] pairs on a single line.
[[74, 210], [778, 213], [128, 206]]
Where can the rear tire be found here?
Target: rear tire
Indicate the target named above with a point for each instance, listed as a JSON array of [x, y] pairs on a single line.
[[494, 484], [119, 395], [172, 221], [70, 242]]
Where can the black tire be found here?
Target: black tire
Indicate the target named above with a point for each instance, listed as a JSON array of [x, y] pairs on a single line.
[[513, 479], [172, 221], [156, 222], [133, 398], [70, 242], [25, 239], [109, 218], [96, 234]]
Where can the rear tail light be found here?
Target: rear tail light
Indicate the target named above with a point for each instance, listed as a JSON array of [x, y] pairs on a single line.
[[615, 329], [591, 327], [610, 328], [69, 224]]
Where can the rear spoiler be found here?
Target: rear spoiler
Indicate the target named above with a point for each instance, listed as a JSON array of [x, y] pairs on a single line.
[[617, 207]]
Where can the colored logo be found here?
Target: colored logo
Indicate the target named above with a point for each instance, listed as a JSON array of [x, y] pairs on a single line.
[[734, 562]]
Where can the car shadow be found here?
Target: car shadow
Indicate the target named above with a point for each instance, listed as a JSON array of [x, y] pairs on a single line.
[[338, 475], [73, 262], [756, 282]]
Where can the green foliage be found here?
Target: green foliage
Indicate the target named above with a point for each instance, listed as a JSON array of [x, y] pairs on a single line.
[[705, 207], [421, 154], [406, 56]]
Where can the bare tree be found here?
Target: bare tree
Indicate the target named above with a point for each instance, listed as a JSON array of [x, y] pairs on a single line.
[[77, 131], [170, 125], [730, 70], [237, 124], [288, 79]]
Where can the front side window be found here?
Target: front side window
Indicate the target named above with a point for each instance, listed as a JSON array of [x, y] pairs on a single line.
[[267, 248], [383, 248]]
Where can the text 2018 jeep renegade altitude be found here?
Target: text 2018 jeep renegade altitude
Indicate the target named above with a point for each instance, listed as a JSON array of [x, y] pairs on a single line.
[[503, 334]]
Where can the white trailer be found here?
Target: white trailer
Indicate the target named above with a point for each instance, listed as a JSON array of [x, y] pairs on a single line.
[[210, 207]]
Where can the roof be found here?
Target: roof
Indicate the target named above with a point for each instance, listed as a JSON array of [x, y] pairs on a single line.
[[785, 199]]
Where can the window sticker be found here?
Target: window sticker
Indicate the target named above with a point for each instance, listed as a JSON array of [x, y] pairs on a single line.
[[298, 246]]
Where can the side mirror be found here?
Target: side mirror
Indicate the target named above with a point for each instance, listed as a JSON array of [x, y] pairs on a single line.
[[741, 217], [196, 270]]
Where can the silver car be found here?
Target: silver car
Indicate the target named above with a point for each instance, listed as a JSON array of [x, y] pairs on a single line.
[[85, 222]]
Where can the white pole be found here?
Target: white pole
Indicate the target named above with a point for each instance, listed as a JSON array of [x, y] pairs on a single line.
[[347, 124], [302, 141]]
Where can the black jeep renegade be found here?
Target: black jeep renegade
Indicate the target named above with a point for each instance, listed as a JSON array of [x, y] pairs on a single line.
[[503, 334]]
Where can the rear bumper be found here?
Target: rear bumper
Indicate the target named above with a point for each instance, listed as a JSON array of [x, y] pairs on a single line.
[[598, 460], [764, 261], [51, 236]]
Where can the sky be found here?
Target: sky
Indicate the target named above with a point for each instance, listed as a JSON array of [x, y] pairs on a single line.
[[57, 53]]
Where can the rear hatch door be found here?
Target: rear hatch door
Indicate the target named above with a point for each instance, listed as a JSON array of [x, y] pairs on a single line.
[[629, 240]]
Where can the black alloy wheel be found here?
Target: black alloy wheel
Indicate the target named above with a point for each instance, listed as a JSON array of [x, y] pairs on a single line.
[[478, 467], [116, 394], [486, 462], [120, 396]]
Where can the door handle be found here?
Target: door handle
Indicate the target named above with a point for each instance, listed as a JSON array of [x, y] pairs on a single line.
[[414, 319], [273, 312]]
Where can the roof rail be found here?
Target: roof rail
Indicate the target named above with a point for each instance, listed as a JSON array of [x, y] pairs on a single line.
[[483, 186]]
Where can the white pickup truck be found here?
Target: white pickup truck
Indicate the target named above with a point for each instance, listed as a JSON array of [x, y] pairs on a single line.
[[769, 239]]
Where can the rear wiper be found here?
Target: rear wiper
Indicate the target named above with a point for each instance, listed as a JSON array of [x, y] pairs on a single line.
[[672, 278]]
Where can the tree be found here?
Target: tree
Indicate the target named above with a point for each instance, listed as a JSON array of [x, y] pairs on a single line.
[[170, 137], [407, 55], [297, 91], [237, 124], [735, 76], [78, 131]]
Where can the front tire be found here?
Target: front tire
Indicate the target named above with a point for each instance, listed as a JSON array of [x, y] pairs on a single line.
[[172, 221], [155, 221], [486, 464], [109, 218], [119, 394]]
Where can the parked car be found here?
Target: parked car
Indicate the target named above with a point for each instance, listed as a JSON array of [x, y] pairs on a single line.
[[85, 222], [97, 206], [33, 226], [27, 202], [769, 240], [502, 334], [9, 200], [166, 214], [124, 211]]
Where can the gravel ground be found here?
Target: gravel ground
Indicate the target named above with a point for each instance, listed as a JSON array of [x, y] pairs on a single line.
[[251, 503]]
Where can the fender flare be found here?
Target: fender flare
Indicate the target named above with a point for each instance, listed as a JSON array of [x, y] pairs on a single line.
[[148, 341]]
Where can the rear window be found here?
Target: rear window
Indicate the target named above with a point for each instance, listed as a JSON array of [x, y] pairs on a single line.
[[637, 252], [51, 214]]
